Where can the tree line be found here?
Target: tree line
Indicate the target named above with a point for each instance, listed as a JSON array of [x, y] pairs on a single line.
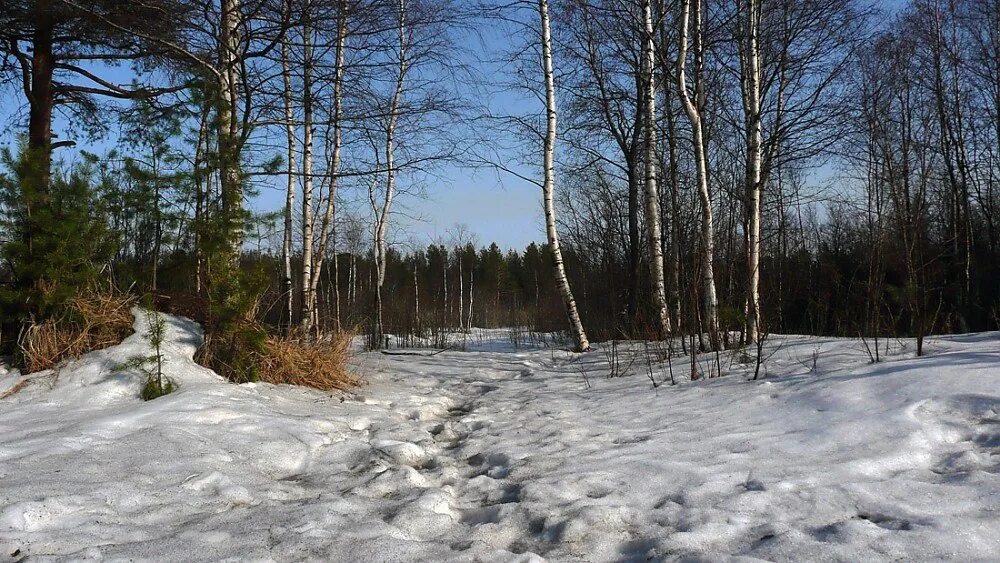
[[715, 168]]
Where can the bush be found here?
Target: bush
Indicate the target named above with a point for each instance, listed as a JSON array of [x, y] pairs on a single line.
[[234, 350], [320, 364], [89, 321]]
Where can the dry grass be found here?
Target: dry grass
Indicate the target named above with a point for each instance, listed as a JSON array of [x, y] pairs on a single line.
[[17, 387], [92, 321], [320, 364]]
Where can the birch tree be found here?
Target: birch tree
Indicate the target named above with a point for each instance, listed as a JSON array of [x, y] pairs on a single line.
[[693, 100], [292, 185], [653, 226], [548, 188], [382, 207], [750, 86], [306, 322], [334, 138]]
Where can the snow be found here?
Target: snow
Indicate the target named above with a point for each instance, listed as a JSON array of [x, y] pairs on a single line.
[[495, 453]]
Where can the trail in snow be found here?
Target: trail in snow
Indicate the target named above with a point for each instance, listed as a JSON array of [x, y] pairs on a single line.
[[498, 454]]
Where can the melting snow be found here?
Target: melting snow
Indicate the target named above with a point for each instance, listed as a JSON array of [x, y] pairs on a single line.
[[500, 454]]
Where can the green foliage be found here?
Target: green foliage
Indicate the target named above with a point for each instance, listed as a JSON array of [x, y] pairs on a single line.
[[235, 341], [56, 238], [155, 389], [151, 365]]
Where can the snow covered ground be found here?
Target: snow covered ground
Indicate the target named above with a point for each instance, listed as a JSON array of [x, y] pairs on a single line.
[[498, 454]]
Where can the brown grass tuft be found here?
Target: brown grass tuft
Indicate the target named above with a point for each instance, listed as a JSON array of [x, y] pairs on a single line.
[[16, 388], [320, 364], [92, 321]]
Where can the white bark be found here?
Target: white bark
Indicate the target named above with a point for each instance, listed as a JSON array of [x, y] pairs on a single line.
[[352, 283], [291, 186], [751, 90], [653, 225], [444, 287], [307, 178], [548, 186], [333, 150], [471, 282], [382, 208], [416, 297], [693, 109]]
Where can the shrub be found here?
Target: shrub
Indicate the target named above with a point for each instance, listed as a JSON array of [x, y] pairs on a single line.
[[234, 350], [89, 321], [320, 364]]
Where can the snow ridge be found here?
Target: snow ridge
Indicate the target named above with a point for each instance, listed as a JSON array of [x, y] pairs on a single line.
[[497, 454]]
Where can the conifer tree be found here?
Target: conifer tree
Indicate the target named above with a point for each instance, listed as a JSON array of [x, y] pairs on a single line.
[[57, 240]]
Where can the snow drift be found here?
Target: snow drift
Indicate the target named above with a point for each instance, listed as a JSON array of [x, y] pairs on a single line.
[[511, 455]]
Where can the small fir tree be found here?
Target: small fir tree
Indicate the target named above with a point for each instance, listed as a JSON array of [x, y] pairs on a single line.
[[151, 365]]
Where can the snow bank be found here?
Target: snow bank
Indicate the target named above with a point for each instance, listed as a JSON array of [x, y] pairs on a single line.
[[506, 455]]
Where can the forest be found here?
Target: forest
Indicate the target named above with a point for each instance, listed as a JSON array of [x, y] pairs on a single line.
[[499, 280], [722, 170]]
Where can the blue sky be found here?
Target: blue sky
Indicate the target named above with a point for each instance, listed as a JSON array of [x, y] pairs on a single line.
[[501, 209]]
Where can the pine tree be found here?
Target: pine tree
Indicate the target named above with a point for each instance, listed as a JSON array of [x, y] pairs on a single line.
[[57, 239]]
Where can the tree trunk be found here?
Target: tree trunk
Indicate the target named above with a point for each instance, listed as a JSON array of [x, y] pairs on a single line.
[[461, 292], [652, 193], [41, 100], [416, 299], [634, 245], [228, 129], [471, 279], [306, 322], [382, 211], [548, 188], [290, 188], [200, 197], [693, 111], [336, 285], [333, 165], [750, 83]]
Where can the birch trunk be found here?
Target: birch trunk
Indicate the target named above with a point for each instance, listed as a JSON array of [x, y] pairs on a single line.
[[693, 110], [548, 186], [291, 185], [416, 299], [444, 286], [666, 71], [471, 281], [352, 284], [334, 151], [306, 322], [653, 225], [750, 83], [383, 208]]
